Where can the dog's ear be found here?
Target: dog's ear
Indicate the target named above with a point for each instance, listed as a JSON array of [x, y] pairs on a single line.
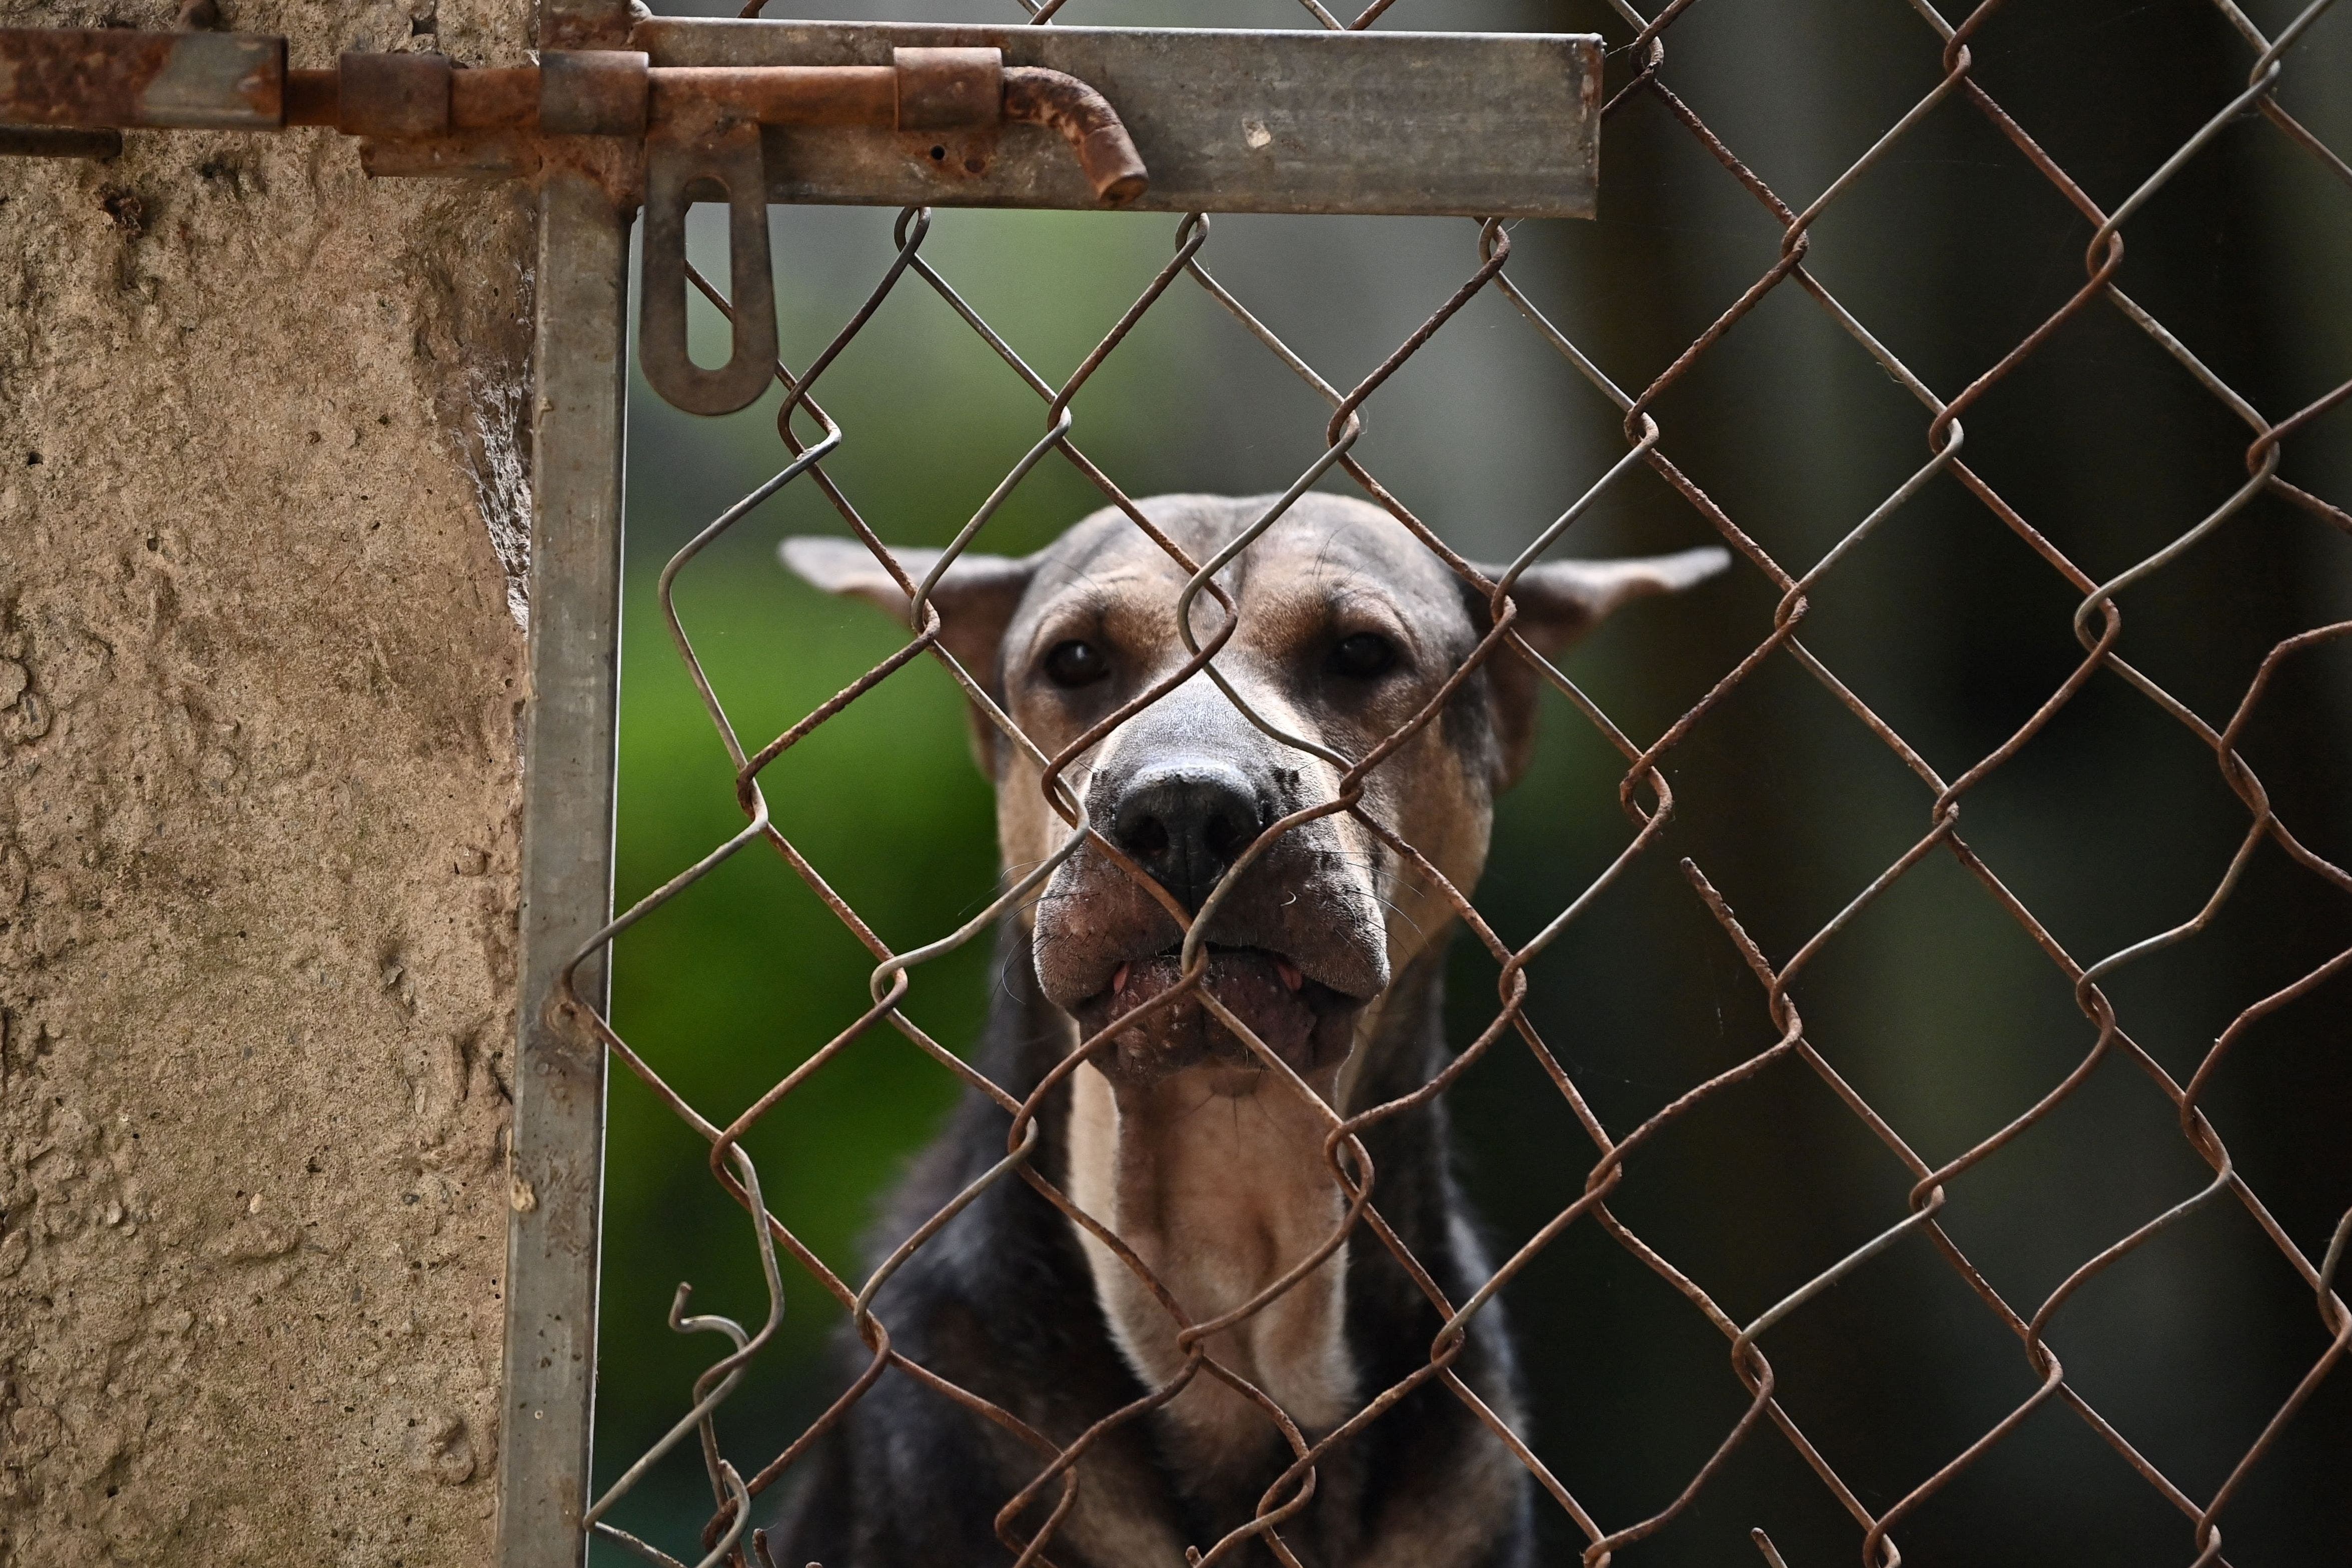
[[976, 597], [1558, 602]]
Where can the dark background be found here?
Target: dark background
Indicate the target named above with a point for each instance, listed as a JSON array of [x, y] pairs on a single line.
[[2112, 824]]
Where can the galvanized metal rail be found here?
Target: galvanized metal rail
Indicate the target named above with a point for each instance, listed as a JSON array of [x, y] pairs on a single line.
[[1459, 124]]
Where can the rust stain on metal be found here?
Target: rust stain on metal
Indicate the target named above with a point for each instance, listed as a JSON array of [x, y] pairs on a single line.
[[948, 89], [588, 92], [776, 95], [1471, 124], [118, 77], [480, 156], [311, 97], [114, 78], [1084, 119], [705, 152], [502, 98], [392, 95]]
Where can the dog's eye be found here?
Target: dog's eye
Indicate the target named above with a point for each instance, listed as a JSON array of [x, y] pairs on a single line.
[[1076, 663], [1363, 656]]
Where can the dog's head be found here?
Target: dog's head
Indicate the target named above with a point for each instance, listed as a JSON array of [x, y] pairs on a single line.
[[1348, 626]]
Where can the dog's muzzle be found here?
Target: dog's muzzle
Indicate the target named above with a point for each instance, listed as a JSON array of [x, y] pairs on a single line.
[[1305, 1023], [1293, 952]]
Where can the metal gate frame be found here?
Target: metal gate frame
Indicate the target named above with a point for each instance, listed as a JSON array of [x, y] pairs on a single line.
[[1363, 146], [556, 1196]]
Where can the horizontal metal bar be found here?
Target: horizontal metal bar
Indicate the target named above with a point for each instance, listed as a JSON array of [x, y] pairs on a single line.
[[104, 77], [49, 141], [483, 121], [1473, 124]]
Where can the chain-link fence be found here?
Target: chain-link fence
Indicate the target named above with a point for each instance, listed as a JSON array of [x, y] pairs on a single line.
[[2270, 852]]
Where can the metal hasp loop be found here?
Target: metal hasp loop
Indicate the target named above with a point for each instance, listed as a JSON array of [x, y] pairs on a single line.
[[705, 129], [681, 155]]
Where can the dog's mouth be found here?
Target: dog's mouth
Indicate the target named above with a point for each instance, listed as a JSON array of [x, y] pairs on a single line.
[[1306, 1023]]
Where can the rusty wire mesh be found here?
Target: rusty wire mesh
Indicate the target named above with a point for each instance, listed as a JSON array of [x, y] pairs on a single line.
[[1639, 53]]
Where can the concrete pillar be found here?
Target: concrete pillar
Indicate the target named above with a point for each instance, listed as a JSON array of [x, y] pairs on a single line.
[[263, 494]]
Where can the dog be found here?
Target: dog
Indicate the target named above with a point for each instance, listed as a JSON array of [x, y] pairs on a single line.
[[1174, 1135]]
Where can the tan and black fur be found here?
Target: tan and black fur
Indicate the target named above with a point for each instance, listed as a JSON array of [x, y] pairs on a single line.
[[1173, 1135]]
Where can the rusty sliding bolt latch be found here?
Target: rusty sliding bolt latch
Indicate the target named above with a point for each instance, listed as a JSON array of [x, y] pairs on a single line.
[[696, 129], [112, 79]]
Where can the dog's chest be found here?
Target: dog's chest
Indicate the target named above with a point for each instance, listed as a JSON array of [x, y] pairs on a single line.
[[1220, 1196]]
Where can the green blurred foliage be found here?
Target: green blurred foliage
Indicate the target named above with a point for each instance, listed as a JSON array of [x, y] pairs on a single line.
[[747, 974]]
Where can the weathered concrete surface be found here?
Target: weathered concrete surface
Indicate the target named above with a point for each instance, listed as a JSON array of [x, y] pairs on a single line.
[[258, 681]]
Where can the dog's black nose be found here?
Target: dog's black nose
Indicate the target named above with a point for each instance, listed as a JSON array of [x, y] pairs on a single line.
[[1185, 823]]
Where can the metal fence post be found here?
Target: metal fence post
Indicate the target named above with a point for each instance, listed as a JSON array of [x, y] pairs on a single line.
[[567, 871]]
